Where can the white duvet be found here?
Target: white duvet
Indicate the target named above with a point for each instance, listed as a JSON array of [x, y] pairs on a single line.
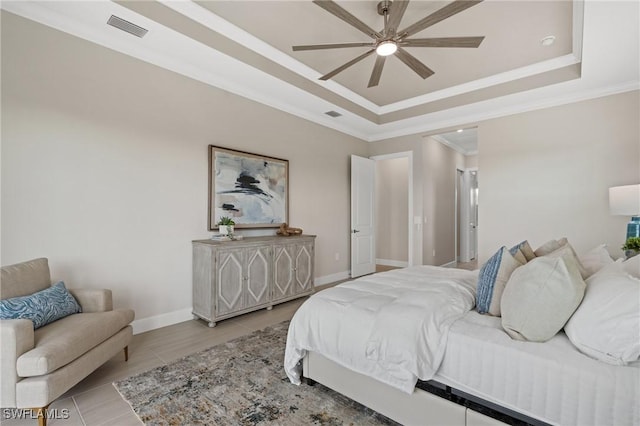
[[392, 326]]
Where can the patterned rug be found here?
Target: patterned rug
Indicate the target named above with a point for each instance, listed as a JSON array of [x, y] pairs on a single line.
[[241, 382]]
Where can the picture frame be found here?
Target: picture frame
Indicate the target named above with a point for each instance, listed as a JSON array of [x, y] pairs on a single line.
[[251, 189]]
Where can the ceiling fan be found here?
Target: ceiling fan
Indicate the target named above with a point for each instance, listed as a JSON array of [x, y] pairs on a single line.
[[390, 41]]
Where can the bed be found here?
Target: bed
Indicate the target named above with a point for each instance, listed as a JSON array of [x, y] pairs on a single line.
[[366, 339]]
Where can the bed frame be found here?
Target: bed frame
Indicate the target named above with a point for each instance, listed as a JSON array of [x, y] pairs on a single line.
[[431, 403]]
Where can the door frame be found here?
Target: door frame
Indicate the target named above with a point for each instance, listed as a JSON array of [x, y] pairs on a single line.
[[409, 156]]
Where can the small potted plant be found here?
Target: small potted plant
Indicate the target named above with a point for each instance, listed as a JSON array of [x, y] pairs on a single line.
[[631, 247], [225, 225]]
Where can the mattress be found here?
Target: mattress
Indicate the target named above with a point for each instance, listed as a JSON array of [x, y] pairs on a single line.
[[550, 381]]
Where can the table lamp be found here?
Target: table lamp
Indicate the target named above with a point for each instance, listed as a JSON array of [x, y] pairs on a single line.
[[625, 201]]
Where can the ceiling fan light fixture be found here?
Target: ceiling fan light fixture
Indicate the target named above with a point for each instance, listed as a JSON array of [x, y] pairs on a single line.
[[386, 48]]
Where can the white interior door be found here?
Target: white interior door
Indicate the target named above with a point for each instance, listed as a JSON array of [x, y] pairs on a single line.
[[363, 241]]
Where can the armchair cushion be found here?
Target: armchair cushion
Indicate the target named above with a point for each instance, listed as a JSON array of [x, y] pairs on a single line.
[[24, 278], [63, 341], [42, 307], [93, 300]]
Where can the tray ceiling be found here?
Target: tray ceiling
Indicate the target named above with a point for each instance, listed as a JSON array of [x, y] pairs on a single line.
[[512, 31], [245, 47]]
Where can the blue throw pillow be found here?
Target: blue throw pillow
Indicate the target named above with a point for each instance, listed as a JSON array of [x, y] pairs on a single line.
[[43, 307], [492, 279]]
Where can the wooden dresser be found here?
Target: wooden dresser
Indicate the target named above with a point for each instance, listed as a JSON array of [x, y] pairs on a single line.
[[235, 277]]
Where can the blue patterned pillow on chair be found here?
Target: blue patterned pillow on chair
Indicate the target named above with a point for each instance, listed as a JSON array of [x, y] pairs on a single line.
[[43, 307]]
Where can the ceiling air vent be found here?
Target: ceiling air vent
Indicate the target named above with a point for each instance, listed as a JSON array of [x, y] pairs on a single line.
[[333, 114], [127, 26]]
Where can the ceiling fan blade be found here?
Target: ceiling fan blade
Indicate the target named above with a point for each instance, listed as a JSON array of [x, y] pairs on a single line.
[[341, 13], [377, 71], [330, 46], [421, 69], [347, 65], [443, 42], [396, 12], [439, 15]]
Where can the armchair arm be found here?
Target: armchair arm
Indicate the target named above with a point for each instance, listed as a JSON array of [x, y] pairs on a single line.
[[93, 300], [17, 338]]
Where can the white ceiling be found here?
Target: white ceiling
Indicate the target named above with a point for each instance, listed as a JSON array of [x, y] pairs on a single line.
[[462, 140], [511, 44], [245, 47]]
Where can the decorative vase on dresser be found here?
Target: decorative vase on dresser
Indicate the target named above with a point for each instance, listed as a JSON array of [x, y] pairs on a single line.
[[235, 277]]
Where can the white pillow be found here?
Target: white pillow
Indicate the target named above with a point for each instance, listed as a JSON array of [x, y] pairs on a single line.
[[595, 259], [567, 250], [550, 246], [632, 266], [540, 297], [606, 326]]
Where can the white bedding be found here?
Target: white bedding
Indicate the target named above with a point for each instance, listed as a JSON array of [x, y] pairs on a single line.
[[391, 326], [550, 381]]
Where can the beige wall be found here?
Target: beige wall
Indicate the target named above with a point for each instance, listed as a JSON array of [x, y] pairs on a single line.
[[392, 210], [411, 144], [434, 170], [104, 170], [104, 167], [440, 164], [545, 174], [471, 161]]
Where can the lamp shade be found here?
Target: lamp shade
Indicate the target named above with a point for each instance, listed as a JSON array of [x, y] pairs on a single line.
[[625, 200]]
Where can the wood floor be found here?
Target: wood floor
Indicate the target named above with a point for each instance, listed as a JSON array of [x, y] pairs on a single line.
[[467, 265], [95, 401], [461, 265]]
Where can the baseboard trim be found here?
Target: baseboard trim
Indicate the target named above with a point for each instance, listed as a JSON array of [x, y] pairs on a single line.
[[182, 315], [389, 262], [448, 264], [162, 320], [331, 278]]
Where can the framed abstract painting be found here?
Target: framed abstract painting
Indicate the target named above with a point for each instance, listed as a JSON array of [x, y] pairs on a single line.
[[251, 189]]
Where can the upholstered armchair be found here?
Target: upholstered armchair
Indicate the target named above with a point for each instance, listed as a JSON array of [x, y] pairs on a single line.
[[38, 366]]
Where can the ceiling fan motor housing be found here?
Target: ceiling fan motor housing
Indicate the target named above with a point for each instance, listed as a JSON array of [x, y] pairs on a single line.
[[383, 7]]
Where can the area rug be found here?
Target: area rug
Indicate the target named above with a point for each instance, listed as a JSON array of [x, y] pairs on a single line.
[[241, 382]]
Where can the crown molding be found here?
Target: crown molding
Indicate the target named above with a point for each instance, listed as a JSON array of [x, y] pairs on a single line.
[[453, 146], [218, 24], [174, 51], [565, 93]]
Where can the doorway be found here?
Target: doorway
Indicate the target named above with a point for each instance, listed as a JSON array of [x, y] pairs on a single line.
[[394, 210], [466, 215], [390, 211]]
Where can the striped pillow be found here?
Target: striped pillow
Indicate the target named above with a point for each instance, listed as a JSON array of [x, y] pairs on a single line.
[[492, 279], [525, 249], [43, 307]]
